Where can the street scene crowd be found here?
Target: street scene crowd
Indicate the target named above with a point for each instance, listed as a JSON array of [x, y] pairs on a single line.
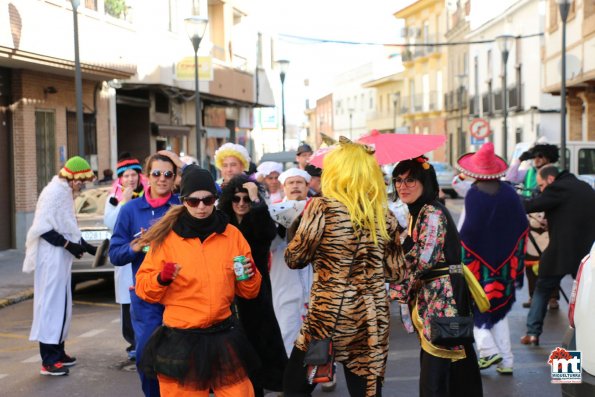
[[262, 280]]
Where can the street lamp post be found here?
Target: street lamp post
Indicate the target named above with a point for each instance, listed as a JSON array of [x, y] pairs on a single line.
[[78, 82], [462, 144], [283, 65], [395, 103], [195, 27], [504, 44], [564, 8]]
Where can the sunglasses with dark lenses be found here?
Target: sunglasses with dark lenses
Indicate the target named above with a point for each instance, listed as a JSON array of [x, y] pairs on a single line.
[[237, 199], [166, 174], [195, 201], [409, 182]]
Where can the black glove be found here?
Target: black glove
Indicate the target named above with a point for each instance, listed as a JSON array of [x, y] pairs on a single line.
[[54, 238], [91, 249], [526, 156], [75, 249]]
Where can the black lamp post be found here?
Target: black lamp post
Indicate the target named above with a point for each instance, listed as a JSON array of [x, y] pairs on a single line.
[[195, 27], [395, 103], [78, 82], [461, 138], [504, 44], [564, 8], [283, 65]]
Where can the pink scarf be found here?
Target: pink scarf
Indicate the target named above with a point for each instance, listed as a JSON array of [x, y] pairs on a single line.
[[157, 202]]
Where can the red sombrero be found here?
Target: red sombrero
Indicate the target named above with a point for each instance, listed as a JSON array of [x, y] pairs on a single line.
[[483, 164]]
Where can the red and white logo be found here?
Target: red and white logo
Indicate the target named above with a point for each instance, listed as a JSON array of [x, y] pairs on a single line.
[[566, 366]]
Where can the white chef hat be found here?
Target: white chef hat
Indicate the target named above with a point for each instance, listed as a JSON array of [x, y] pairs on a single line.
[[269, 167], [294, 172]]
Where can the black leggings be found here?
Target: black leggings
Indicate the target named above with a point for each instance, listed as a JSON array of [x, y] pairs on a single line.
[[440, 377], [295, 383]]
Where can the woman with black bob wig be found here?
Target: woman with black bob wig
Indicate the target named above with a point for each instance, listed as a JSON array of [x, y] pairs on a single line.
[[242, 200], [432, 287]]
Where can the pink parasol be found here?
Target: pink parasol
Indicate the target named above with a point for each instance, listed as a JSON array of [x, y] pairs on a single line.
[[391, 148]]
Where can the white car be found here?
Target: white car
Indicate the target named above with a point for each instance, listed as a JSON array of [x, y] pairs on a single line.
[[579, 336], [89, 207]]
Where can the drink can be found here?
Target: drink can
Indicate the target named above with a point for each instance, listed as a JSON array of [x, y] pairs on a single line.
[[238, 267]]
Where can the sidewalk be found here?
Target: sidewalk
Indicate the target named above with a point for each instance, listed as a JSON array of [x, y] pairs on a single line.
[[15, 286]]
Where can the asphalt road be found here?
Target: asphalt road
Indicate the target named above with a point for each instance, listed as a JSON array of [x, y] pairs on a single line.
[[103, 369]]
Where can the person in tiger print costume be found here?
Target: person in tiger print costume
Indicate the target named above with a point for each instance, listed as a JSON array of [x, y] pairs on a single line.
[[350, 223]]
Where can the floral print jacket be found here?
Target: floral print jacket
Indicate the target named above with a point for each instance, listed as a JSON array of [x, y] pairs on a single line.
[[431, 298]]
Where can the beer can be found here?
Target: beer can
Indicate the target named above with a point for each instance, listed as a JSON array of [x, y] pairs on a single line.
[[238, 267]]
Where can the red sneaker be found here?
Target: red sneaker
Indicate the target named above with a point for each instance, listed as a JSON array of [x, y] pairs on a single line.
[[56, 369]]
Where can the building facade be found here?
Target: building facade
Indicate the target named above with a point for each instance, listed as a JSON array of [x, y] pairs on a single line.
[[137, 92], [425, 63], [580, 65], [531, 113], [456, 104]]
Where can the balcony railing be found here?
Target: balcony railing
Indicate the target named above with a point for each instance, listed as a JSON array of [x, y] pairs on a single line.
[[492, 101], [420, 49]]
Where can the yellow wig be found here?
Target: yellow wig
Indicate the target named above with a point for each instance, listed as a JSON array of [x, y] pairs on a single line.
[[232, 150], [351, 175]]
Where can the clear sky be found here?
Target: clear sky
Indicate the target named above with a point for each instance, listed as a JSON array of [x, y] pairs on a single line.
[[343, 20]]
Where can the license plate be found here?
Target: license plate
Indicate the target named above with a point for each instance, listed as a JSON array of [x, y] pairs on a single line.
[[95, 235]]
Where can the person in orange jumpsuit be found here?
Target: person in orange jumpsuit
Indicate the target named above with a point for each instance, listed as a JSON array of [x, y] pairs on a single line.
[[189, 269]]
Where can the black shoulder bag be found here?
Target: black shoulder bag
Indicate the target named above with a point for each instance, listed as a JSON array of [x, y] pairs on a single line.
[[320, 356]]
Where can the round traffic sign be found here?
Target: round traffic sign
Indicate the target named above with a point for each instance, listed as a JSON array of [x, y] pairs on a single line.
[[480, 128]]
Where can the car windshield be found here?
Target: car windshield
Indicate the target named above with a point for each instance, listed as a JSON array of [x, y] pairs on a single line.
[[91, 201], [441, 167]]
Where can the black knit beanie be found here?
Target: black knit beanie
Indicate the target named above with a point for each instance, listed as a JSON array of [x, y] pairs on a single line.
[[195, 178]]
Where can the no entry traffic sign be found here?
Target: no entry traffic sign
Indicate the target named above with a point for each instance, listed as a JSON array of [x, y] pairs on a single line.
[[480, 128]]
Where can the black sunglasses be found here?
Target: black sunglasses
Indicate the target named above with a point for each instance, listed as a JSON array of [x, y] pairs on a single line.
[[237, 199], [195, 201], [166, 174]]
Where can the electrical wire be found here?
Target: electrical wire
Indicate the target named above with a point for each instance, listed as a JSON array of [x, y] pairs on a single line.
[[310, 40]]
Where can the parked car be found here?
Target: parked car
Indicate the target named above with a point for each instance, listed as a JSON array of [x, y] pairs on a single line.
[[286, 158], [445, 174], [579, 336], [89, 206]]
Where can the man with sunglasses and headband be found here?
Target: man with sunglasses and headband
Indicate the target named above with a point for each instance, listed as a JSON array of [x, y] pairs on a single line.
[[133, 220]]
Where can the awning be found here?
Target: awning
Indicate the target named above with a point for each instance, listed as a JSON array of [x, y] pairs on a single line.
[[217, 132], [172, 130]]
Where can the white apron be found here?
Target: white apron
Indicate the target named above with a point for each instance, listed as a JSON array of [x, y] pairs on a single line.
[[52, 301], [291, 293]]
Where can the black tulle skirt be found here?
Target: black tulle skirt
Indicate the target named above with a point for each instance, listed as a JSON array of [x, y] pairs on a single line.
[[200, 358]]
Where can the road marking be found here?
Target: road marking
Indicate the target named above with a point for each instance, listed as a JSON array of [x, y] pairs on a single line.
[[33, 359], [14, 336], [96, 304], [115, 321], [91, 333], [3, 376]]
